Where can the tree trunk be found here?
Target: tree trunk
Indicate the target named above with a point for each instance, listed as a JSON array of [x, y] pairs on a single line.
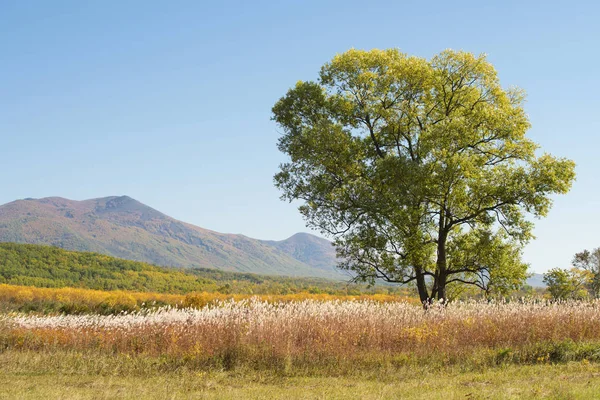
[[441, 292], [434, 288], [421, 285], [442, 274]]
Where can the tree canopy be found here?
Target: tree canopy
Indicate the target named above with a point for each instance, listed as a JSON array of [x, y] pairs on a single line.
[[420, 170], [568, 284], [589, 261], [581, 281]]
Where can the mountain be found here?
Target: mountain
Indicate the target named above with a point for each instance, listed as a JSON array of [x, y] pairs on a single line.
[[536, 280], [309, 249], [123, 227]]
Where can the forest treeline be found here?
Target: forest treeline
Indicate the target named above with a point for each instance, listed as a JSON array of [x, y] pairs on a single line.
[[51, 267]]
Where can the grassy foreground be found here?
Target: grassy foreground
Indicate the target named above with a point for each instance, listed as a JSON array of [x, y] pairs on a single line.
[[307, 349], [64, 375]]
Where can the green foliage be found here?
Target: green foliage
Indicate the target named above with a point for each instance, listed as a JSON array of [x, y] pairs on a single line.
[[419, 169], [590, 262], [568, 284], [45, 266], [581, 281]]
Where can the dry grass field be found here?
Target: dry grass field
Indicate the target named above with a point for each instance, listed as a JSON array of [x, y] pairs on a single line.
[[315, 334], [254, 348]]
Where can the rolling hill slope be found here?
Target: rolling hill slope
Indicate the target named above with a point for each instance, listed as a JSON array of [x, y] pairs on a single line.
[[123, 227], [52, 267]]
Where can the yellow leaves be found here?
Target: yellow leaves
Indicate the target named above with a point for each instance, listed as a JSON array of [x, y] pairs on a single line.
[[115, 301], [365, 73], [121, 299], [23, 295], [421, 334], [543, 359]]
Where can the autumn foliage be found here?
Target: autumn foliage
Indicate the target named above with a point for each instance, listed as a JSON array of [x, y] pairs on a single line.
[[261, 333], [81, 301]]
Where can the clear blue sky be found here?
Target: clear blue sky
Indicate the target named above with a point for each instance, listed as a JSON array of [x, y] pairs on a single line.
[[169, 102]]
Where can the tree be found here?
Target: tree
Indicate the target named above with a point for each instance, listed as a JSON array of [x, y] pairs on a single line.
[[590, 261], [419, 170], [568, 284]]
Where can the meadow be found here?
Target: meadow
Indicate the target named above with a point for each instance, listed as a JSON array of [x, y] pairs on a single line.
[[160, 333], [311, 347], [313, 335], [72, 375]]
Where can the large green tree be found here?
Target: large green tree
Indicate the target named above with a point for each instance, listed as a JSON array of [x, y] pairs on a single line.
[[420, 170]]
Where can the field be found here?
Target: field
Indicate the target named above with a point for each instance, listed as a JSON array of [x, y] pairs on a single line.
[[328, 348], [319, 334], [34, 375], [87, 326]]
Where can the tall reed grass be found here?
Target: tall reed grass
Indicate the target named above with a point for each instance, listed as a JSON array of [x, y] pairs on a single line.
[[261, 333]]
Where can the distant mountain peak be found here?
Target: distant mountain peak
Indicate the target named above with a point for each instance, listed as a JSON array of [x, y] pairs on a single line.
[[305, 236], [123, 227], [300, 235], [55, 200], [121, 202], [125, 204], [309, 249]]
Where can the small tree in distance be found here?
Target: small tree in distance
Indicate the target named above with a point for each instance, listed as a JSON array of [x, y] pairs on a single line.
[[583, 280], [568, 284], [590, 261], [420, 170]]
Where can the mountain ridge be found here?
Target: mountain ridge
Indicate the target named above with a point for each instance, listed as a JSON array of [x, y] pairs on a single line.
[[121, 226]]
